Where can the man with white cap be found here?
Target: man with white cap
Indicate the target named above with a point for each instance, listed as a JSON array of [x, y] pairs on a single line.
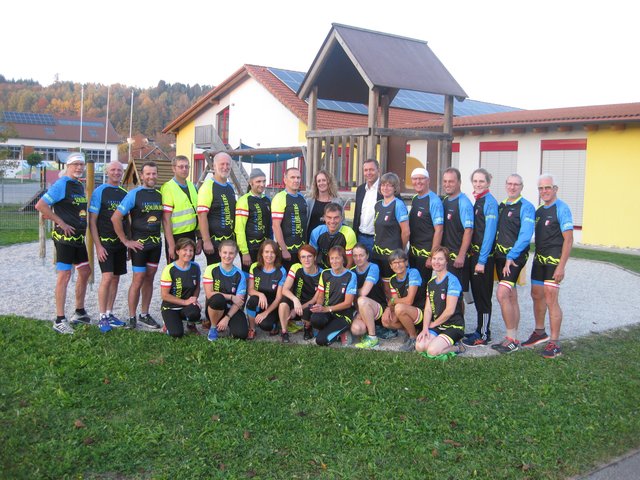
[[426, 220], [65, 203], [253, 219]]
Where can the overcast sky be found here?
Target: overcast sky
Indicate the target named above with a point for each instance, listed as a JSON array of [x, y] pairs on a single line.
[[541, 54]]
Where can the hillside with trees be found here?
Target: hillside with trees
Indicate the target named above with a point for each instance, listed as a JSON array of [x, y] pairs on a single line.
[[153, 108]]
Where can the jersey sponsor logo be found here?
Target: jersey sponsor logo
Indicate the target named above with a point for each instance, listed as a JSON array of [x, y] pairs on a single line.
[[83, 213], [274, 286], [509, 214], [233, 289], [344, 289], [449, 216], [386, 218], [547, 222], [443, 296], [152, 219], [420, 213]]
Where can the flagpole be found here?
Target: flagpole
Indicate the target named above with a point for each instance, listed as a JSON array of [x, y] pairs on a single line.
[[130, 140], [81, 112], [106, 133]]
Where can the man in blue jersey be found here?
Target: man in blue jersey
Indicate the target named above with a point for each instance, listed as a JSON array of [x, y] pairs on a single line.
[[458, 225], [516, 221], [143, 205], [111, 252], [65, 203], [554, 239], [426, 220]]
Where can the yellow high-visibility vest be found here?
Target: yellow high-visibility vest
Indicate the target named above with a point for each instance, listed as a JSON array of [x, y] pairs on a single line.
[[183, 209]]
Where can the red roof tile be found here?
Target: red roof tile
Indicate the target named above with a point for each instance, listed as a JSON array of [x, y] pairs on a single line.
[[67, 133], [326, 119], [624, 112]]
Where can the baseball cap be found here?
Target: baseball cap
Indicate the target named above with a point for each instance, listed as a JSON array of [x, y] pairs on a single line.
[[255, 173], [75, 157], [419, 172]]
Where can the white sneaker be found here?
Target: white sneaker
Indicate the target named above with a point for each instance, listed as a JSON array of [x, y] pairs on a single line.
[[63, 327]]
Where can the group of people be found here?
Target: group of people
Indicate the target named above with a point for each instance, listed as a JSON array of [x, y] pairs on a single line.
[[302, 267]]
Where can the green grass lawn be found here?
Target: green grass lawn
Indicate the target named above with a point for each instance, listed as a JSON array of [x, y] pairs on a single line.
[[134, 405], [17, 227], [625, 260]]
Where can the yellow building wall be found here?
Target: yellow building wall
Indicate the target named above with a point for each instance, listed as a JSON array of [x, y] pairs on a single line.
[[184, 140], [611, 188]]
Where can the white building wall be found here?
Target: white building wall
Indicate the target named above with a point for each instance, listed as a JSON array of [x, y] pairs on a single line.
[[256, 118]]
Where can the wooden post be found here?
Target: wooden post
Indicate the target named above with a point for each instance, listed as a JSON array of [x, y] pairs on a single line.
[[91, 182], [372, 122], [444, 152], [312, 121], [362, 156], [384, 140], [42, 231]]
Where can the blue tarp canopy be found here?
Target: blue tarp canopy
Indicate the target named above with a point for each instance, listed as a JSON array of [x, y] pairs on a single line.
[[263, 158]]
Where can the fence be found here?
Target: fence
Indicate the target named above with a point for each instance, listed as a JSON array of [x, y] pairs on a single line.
[[17, 213]]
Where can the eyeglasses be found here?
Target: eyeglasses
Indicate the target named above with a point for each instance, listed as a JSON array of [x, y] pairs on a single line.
[[546, 188], [514, 184]]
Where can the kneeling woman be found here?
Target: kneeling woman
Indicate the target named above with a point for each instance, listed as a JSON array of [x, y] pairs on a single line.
[[332, 311], [179, 288], [443, 318], [225, 288], [407, 299], [266, 278], [299, 292]]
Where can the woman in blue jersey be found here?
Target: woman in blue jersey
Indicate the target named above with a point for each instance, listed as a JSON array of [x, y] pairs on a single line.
[[225, 288], [391, 224], [332, 311], [266, 278], [443, 317], [371, 299], [180, 288], [299, 291], [407, 299]]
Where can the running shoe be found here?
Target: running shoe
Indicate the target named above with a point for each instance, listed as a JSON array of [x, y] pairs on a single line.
[[63, 327], [409, 345], [368, 342], [82, 318], [275, 330], [132, 323], [116, 322], [192, 328], [552, 350], [346, 338], [285, 337], [104, 325], [508, 345], [535, 339], [462, 348], [213, 334], [386, 333], [308, 333], [475, 340], [251, 335], [148, 321]]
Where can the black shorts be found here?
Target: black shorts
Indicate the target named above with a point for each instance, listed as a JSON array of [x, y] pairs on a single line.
[[69, 255], [115, 263], [306, 313], [452, 328], [512, 278], [461, 274], [419, 263], [140, 259], [542, 272], [176, 237]]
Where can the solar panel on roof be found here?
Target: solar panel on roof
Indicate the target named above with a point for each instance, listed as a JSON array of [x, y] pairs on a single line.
[[29, 118], [76, 123], [405, 99]]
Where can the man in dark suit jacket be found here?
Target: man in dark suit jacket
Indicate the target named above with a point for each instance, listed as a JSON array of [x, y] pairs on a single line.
[[367, 195]]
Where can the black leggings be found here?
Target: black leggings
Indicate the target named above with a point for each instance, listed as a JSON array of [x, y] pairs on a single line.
[[173, 319], [238, 324], [329, 326], [268, 323], [482, 290], [306, 311]]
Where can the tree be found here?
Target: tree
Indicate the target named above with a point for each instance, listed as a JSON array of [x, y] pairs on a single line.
[[34, 159]]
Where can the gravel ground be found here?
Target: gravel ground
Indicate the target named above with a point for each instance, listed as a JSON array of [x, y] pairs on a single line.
[[30, 281]]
